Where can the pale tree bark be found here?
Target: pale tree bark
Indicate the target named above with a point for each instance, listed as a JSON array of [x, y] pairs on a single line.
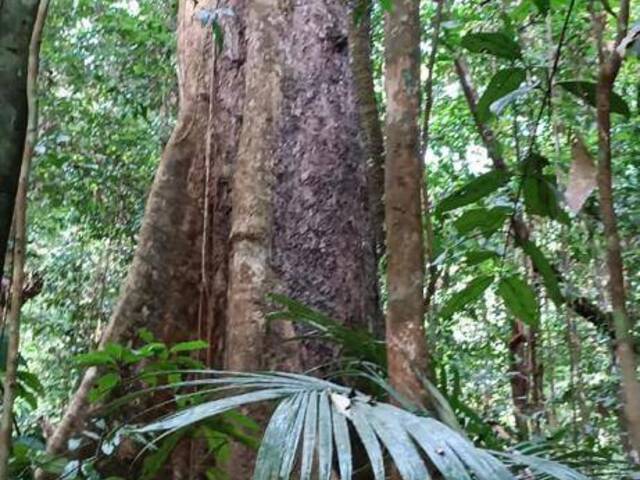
[[20, 241], [16, 24], [406, 342], [609, 67], [272, 113], [250, 278]]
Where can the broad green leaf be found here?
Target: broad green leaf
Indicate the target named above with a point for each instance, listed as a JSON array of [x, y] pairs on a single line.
[[587, 92], [475, 257], [493, 43], [487, 220], [94, 359], [503, 82], [146, 335], [387, 5], [541, 198], [476, 189], [543, 6], [539, 190], [520, 299], [104, 385], [189, 346], [27, 396], [546, 271], [31, 381], [467, 296]]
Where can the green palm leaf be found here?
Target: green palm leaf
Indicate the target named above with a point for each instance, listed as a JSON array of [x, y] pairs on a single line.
[[316, 414]]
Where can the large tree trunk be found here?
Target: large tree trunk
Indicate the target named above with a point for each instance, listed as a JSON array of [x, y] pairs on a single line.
[[273, 114], [16, 22]]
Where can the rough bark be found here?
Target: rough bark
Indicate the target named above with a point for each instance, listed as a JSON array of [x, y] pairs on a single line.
[[322, 253], [360, 54], [162, 286], [16, 24], [360, 50], [406, 342], [20, 240], [609, 63], [296, 219]]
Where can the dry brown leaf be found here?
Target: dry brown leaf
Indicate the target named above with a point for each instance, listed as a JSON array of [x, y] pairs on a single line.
[[582, 176]]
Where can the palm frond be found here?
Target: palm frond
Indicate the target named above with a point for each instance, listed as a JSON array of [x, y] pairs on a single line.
[[310, 426], [356, 343]]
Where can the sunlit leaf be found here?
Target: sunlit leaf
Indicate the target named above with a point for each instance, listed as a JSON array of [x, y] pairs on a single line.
[[475, 257], [93, 359], [189, 346]]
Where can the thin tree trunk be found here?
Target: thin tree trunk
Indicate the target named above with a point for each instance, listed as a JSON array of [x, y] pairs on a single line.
[[16, 23], [486, 133], [519, 378], [360, 49], [406, 342], [20, 241], [362, 70], [433, 273], [610, 63]]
